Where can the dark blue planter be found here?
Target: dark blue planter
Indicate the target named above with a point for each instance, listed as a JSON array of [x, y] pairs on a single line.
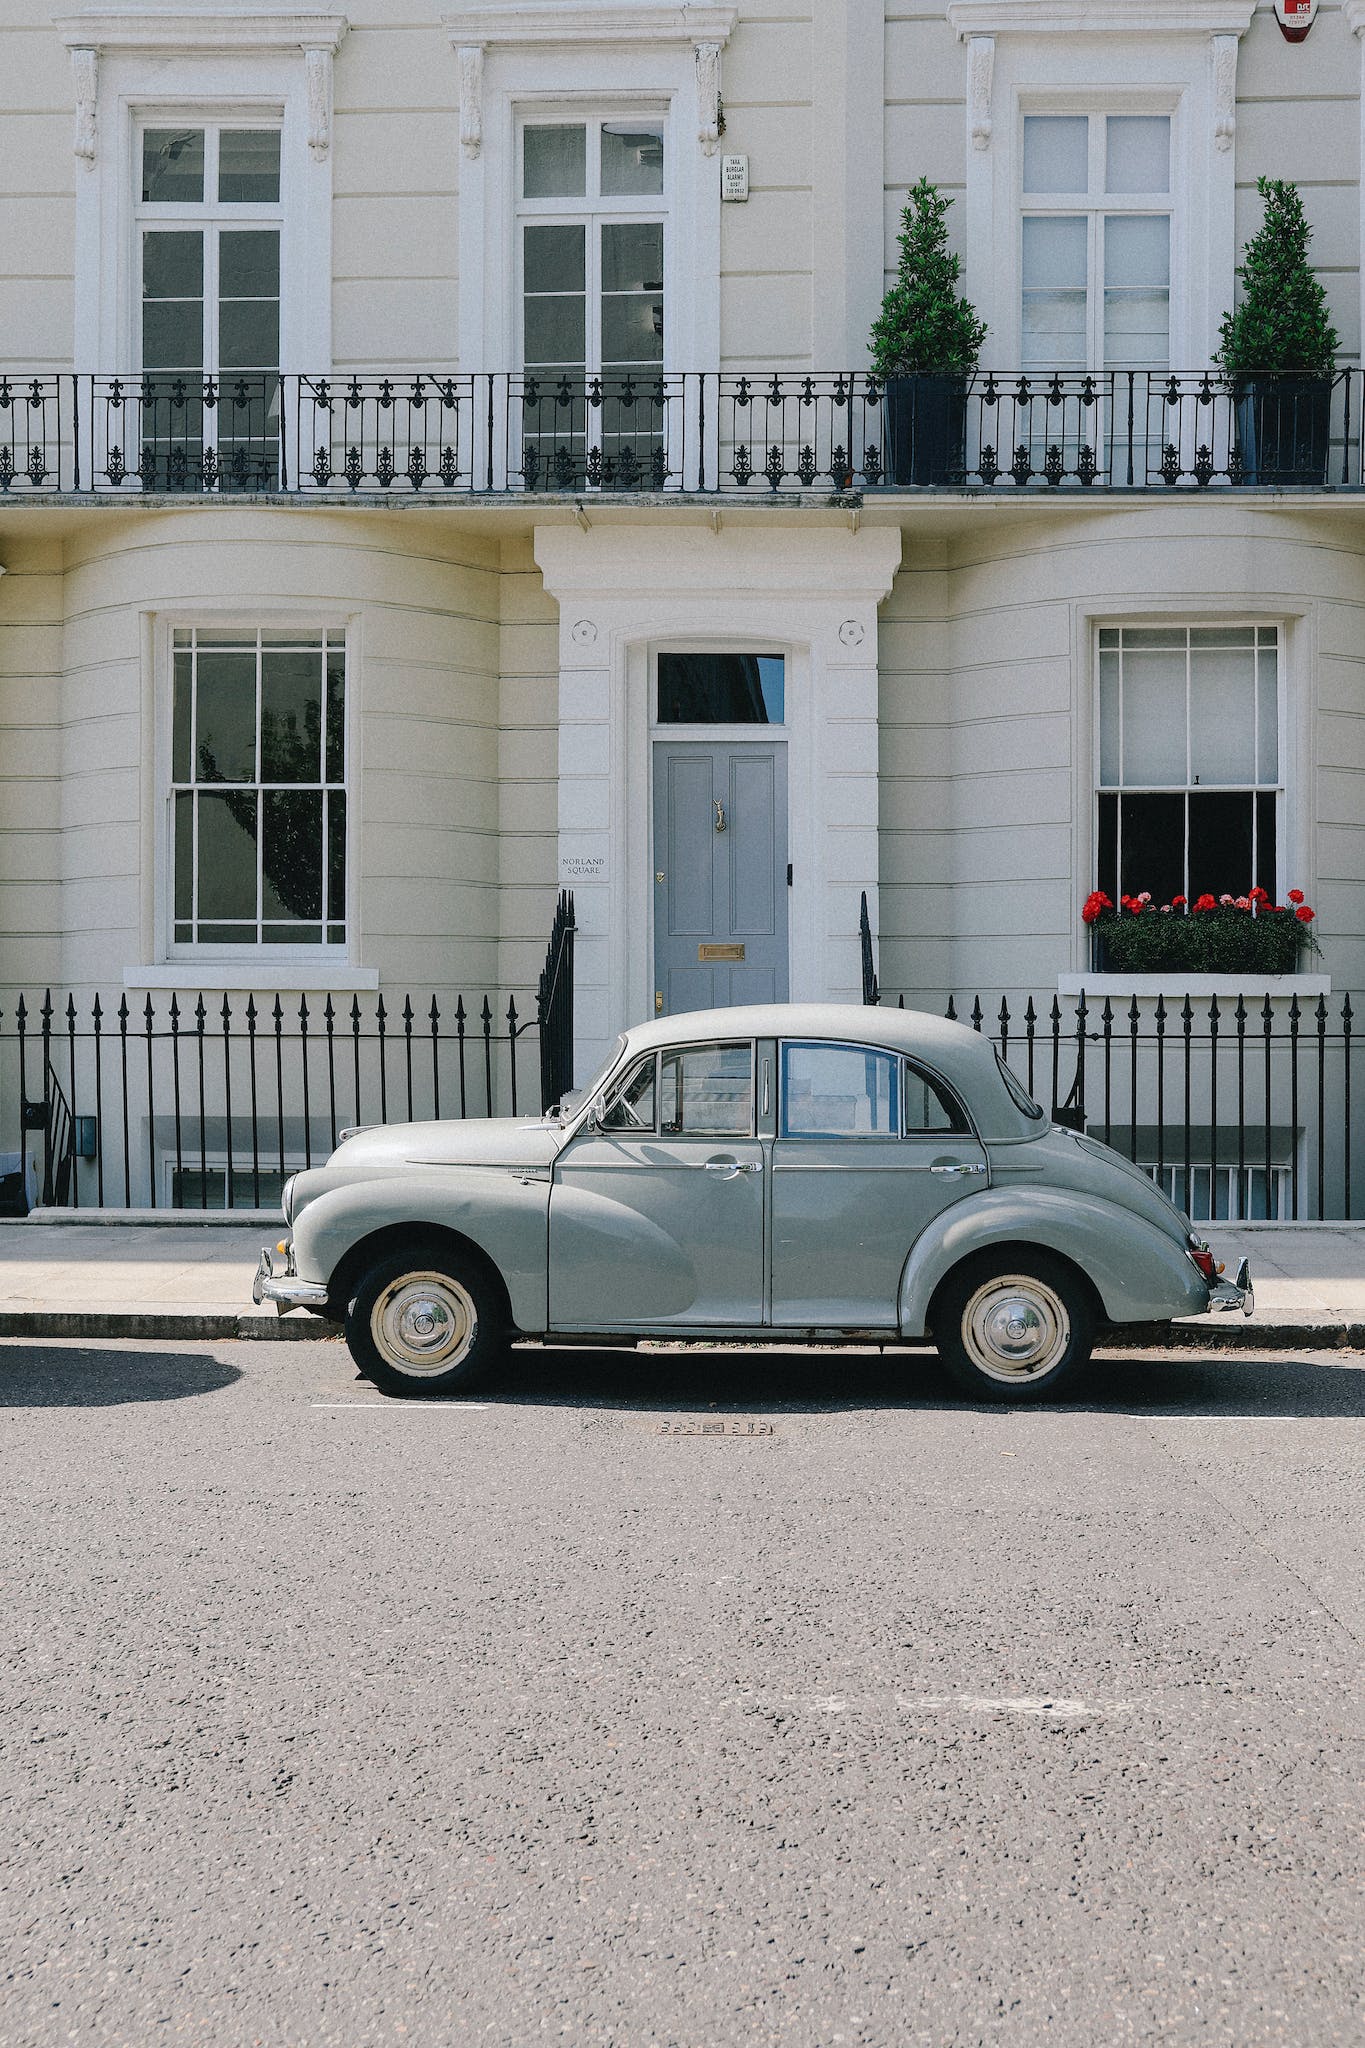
[[1284, 427], [926, 428]]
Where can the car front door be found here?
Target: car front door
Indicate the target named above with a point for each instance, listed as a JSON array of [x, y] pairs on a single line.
[[656, 1216], [869, 1150]]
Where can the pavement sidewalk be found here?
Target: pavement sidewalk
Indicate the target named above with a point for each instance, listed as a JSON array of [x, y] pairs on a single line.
[[151, 1276]]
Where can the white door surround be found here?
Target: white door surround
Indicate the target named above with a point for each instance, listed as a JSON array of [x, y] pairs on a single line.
[[622, 592]]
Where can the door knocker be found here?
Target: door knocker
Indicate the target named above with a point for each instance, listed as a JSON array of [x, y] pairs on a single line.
[[720, 813]]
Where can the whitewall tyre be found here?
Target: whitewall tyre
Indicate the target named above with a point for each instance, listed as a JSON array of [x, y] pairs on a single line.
[[1014, 1326], [425, 1323]]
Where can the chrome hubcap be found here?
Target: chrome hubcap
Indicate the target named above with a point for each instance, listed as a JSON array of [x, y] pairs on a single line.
[[1015, 1328], [424, 1323]]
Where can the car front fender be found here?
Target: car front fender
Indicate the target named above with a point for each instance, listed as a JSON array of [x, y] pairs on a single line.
[[503, 1212], [1140, 1274]]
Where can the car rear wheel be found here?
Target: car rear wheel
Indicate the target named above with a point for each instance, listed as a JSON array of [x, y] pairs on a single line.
[[425, 1323], [1013, 1328]]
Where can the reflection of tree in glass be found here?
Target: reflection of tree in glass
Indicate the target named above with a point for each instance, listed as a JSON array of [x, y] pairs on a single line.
[[290, 753]]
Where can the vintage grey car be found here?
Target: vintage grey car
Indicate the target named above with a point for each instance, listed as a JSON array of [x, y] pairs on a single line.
[[793, 1170]]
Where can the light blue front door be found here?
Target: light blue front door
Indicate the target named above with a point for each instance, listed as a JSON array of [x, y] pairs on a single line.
[[720, 874]]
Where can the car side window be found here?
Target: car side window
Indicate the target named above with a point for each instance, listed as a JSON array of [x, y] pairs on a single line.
[[929, 1108], [707, 1091], [839, 1091], [632, 1106]]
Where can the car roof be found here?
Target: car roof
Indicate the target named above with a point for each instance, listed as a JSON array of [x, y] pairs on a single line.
[[963, 1056]]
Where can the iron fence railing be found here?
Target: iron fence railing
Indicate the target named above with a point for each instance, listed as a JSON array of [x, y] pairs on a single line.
[[1239, 1109], [705, 431]]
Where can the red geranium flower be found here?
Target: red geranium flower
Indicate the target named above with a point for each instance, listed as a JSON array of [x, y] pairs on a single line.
[[1206, 902], [1178, 903], [1095, 903], [1296, 895], [1303, 913]]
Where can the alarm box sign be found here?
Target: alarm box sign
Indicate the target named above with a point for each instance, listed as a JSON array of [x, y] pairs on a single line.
[[1295, 18]]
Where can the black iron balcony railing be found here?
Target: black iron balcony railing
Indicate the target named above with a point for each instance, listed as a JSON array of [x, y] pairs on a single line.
[[707, 432]]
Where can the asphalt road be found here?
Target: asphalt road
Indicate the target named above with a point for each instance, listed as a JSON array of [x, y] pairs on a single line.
[[889, 1720]]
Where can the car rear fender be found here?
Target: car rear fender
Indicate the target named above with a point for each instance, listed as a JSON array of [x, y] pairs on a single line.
[[503, 1212], [1139, 1273]]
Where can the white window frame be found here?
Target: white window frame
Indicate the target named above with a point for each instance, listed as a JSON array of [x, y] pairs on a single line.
[[1280, 789], [1096, 206], [208, 218], [575, 63], [1103, 56], [191, 68], [243, 966]]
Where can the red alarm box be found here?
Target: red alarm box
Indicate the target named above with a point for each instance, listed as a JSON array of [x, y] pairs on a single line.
[[1295, 18]]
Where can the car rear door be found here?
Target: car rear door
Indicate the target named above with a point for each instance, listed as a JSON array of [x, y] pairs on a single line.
[[870, 1148], [656, 1219]]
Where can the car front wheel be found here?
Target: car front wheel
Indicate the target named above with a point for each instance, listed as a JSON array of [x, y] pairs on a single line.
[[425, 1323], [1012, 1329]]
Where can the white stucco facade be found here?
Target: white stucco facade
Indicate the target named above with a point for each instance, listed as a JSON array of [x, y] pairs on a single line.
[[941, 647]]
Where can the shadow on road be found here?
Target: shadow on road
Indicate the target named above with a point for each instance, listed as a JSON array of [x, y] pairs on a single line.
[[42, 1376], [776, 1382]]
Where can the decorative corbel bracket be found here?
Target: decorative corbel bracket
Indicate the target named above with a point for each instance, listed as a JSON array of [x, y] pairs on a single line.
[[980, 86], [318, 59], [470, 56], [85, 68], [708, 96], [1224, 90]]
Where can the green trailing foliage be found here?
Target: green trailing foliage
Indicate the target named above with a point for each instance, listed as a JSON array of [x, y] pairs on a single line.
[[926, 325], [1222, 941], [1280, 327]]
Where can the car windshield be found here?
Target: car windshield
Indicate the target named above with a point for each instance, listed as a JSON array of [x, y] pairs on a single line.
[[574, 1098]]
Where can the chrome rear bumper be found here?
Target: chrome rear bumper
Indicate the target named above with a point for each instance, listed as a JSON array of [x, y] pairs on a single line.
[[1234, 1294], [285, 1289]]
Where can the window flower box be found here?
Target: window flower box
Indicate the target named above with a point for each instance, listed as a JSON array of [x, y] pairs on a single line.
[[1228, 935]]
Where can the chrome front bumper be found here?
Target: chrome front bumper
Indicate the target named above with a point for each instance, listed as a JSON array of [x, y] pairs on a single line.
[[285, 1289], [1237, 1293]]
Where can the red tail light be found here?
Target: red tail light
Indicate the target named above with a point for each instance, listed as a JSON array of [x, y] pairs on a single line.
[[1203, 1258]]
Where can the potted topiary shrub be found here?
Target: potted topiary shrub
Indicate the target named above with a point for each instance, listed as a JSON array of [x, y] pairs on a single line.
[[925, 343], [1277, 350]]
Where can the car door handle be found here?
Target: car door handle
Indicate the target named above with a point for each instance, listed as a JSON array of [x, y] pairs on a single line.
[[964, 1168], [730, 1167]]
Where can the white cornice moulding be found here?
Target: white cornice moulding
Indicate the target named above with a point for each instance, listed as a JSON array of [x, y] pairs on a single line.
[[506, 22], [197, 30], [1354, 12], [1104, 17]]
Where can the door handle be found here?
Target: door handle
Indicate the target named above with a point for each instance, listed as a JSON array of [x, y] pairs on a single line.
[[964, 1168], [730, 1167], [720, 813]]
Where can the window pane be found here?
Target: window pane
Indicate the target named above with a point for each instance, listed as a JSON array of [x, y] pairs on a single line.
[[1267, 844], [708, 1090], [249, 263], [632, 331], [1138, 153], [555, 258], [839, 1091], [1268, 695], [1055, 253], [1153, 854], [227, 856], [1137, 251], [181, 763], [1109, 715], [1153, 719], [249, 339], [556, 331], [633, 1107], [226, 735], [184, 855], [1055, 153], [1137, 294], [173, 265], [291, 854], [336, 864], [632, 158], [291, 717], [336, 717], [1055, 265], [1107, 863], [291, 935], [555, 163], [722, 689], [927, 1108], [633, 257], [249, 166], [1222, 715], [173, 164], [1220, 843]]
